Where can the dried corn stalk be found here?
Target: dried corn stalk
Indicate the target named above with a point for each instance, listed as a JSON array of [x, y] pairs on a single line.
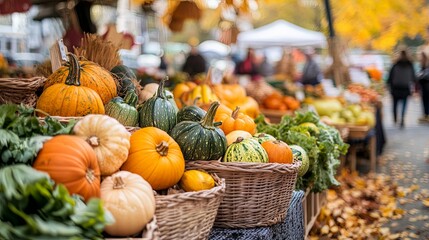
[[44, 69], [94, 48]]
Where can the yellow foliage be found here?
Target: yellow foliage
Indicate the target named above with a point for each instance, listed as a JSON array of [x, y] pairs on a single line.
[[379, 24]]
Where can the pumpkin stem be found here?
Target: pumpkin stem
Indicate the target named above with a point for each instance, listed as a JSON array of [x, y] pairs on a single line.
[[160, 92], [73, 78], [131, 98], [207, 120], [90, 175], [235, 112], [162, 148], [196, 100], [239, 140], [93, 141], [118, 182]]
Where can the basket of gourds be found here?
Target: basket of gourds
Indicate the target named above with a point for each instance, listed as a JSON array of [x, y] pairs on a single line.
[[256, 194], [191, 214]]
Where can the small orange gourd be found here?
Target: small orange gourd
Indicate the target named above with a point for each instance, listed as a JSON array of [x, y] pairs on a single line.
[[71, 161], [236, 121], [278, 151]]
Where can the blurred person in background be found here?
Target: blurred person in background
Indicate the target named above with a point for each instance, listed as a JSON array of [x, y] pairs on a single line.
[[311, 74], [423, 83], [401, 78], [248, 66], [265, 67], [195, 62]]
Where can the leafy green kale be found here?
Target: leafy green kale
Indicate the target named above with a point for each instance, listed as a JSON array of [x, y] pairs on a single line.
[[23, 134], [32, 207], [323, 146]]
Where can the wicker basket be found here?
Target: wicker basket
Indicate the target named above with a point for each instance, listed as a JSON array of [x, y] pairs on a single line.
[[189, 215], [20, 90], [256, 194], [151, 230]]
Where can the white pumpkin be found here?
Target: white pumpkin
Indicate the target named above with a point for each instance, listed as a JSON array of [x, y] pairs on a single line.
[[130, 199], [109, 139]]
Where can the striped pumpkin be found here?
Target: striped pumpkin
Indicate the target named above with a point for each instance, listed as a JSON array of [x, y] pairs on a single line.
[[124, 109], [89, 74], [201, 140], [158, 111], [246, 150]]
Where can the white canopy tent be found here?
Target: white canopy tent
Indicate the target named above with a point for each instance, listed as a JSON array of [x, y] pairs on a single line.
[[281, 33]]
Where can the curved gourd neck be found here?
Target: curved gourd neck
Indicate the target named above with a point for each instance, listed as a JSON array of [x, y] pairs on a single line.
[[160, 92], [207, 121]]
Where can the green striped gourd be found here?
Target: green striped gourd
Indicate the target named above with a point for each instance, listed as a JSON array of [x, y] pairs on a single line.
[[124, 109], [299, 154], [158, 111], [246, 150], [191, 112], [201, 140], [263, 137]]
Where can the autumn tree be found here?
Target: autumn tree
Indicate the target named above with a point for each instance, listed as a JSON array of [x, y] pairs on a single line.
[[380, 24], [368, 24]]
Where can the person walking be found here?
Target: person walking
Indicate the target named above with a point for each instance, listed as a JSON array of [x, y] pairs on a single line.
[[311, 74], [423, 80], [401, 78]]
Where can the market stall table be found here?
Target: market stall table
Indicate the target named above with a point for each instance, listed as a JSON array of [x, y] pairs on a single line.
[[291, 228]]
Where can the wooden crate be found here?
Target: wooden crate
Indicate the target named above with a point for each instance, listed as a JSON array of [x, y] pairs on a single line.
[[275, 115], [312, 203], [354, 131]]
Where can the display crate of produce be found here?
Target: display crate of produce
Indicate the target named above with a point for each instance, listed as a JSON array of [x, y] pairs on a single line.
[[256, 194], [275, 116], [312, 204]]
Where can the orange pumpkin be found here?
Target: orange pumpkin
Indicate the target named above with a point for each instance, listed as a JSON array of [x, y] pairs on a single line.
[[230, 93], [278, 151], [156, 157], [291, 103], [250, 107], [180, 90], [236, 121], [69, 99], [71, 161], [222, 109], [89, 74], [275, 101]]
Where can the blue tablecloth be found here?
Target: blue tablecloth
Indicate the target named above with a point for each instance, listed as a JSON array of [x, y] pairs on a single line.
[[291, 229]]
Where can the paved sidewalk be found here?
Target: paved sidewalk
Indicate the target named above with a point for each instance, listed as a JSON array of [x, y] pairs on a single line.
[[405, 160]]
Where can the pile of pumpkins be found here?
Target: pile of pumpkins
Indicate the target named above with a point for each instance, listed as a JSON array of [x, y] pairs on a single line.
[[103, 159], [229, 95]]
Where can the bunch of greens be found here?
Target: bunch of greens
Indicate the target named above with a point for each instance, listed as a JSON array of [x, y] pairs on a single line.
[[322, 143], [32, 207], [22, 134]]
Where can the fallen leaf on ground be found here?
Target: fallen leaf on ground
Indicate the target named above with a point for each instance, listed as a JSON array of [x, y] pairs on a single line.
[[426, 202]]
